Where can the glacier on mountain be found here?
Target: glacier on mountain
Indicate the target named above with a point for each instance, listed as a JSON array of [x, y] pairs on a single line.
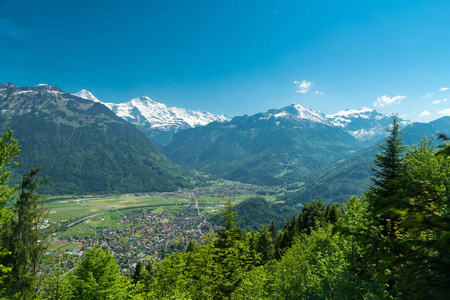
[[155, 118]]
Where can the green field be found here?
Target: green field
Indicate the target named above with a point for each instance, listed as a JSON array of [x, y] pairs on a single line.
[[54, 245], [68, 247], [105, 207]]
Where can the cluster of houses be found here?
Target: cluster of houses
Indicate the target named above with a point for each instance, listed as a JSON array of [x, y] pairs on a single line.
[[143, 234]]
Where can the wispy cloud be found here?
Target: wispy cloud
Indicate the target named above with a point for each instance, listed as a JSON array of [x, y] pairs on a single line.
[[385, 100], [304, 86], [428, 95], [318, 93], [7, 28], [425, 113], [444, 89], [444, 112], [439, 101]]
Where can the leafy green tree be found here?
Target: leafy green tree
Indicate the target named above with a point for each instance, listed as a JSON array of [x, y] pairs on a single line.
[[9, 150], [311, 214], [54, 280], [98, 277], [445, 148], [423, 235], [317, 266], [286, 238]]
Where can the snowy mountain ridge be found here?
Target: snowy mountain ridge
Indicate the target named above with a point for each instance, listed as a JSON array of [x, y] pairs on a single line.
[[145, 111], [156, 119], [160, 122], [86, 95], [365, 124]]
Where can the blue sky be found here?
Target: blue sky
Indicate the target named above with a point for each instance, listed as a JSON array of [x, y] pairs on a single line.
[[236, 57]]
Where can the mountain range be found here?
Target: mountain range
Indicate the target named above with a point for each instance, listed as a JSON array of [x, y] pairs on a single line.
[[93, 147], [338, 181], [367, 125], [155, 119], [272, 148], [82, 144], [160, 122]]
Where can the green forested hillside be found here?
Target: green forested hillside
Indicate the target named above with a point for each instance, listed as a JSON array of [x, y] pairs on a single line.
[[339, 181], [262, 149], [253, 213], [82, 145]]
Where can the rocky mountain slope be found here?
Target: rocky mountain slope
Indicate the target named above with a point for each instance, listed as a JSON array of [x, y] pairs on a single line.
[[82, 144]]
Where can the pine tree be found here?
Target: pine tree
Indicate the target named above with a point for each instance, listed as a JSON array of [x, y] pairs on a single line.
[[387, 172], [136, 277], [264, 245], [384, 197], [331, 214], [273, 230], [191, 246], [230, 231], [25, 236], [311, 214]]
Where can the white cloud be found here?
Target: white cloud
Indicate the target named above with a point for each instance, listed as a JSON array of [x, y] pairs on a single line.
[[439, 101], [318, 93], [444, 89], [303, 87], [444, 112], [385, 100], [428, 95], [425, 113]]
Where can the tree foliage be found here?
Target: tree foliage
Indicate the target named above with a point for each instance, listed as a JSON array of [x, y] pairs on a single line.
[[98, 277]]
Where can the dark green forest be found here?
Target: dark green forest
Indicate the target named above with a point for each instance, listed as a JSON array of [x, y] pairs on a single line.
[[83, 145], [261, 149], [393, 242]]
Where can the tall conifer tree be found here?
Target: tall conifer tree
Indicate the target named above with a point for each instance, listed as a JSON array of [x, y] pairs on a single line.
[[387, 172], [26, 237]]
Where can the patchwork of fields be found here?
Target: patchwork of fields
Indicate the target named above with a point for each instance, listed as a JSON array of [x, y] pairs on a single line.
[[144, 226]]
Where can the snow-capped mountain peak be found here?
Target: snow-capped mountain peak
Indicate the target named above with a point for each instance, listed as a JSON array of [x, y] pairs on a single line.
[[364, 123], [352, 113], [86, 95], [345, 117], [154, 117], [158, 115], [309, 114]]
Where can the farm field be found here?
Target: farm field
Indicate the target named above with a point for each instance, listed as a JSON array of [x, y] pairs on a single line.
[[61, 209], [148, 225]]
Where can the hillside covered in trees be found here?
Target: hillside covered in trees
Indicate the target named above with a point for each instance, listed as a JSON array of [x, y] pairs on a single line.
[[83, 145], [391, 243]]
